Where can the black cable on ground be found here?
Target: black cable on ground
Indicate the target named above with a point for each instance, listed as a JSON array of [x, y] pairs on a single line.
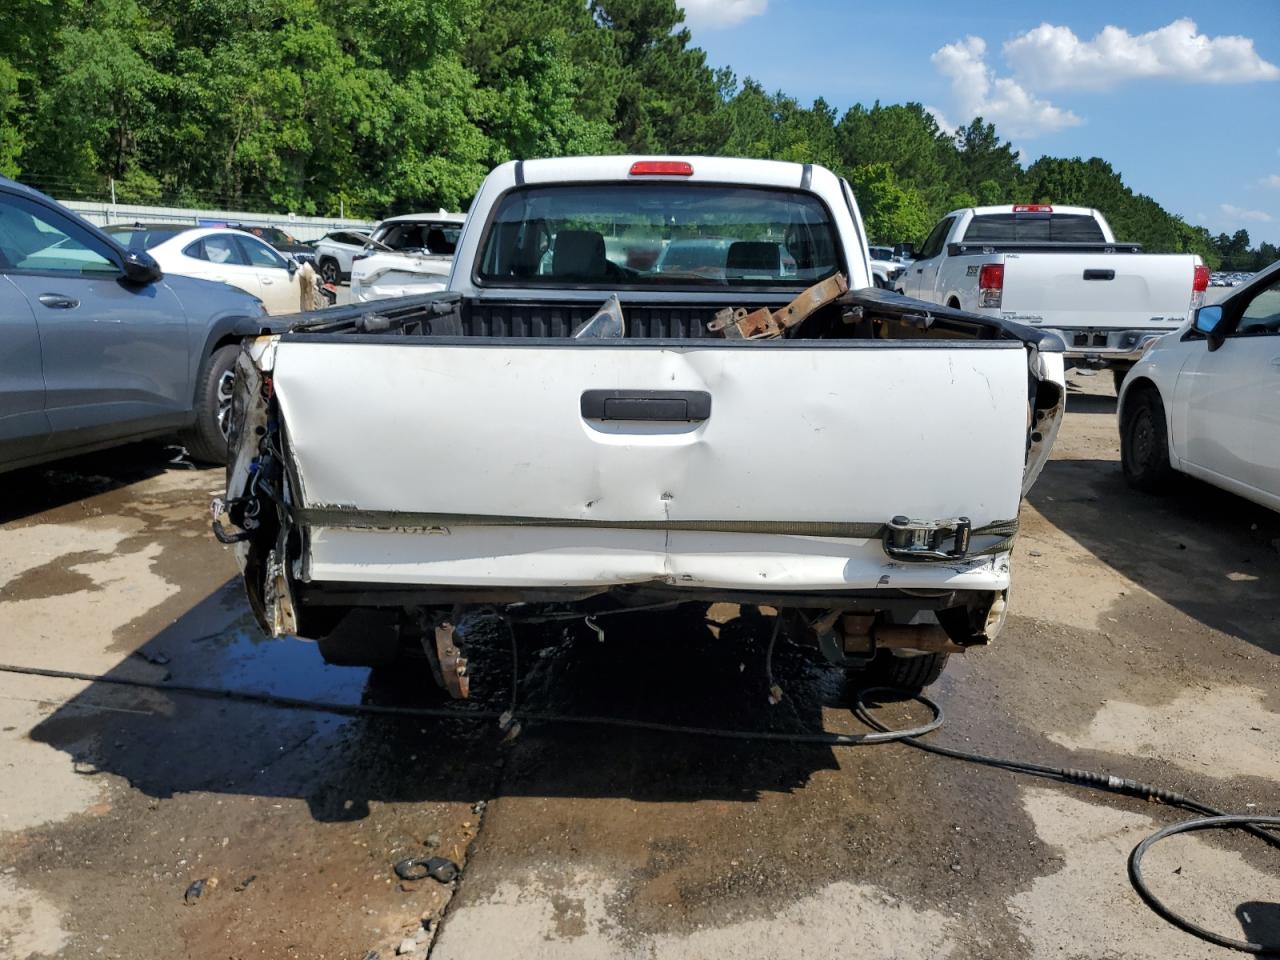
[[1211, 819], [1249, 823]]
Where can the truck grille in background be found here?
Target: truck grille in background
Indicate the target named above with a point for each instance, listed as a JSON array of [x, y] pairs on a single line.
[[498, 319]]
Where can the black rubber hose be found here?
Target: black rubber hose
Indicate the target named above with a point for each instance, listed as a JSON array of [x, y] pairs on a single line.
[[1253, 824]]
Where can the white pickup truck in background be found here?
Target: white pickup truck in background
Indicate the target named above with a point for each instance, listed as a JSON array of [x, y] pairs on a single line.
[[1060, 269], [750, 432]]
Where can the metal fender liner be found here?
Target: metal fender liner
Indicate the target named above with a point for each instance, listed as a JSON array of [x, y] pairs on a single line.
[[1047, 409]]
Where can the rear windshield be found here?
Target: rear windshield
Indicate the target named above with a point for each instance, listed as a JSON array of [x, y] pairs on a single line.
[[1035, 228], [651, 234], [418, 236]]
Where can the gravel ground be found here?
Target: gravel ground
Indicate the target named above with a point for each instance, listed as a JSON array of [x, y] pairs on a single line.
[[1143, 640]]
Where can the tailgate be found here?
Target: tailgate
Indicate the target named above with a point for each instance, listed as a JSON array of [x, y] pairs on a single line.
[[545, 462], [1116, 290]]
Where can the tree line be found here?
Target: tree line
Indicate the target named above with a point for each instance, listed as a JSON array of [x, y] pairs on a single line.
[[378, 107]]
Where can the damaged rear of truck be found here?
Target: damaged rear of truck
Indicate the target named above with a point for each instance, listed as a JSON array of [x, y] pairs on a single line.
[[756, 425]]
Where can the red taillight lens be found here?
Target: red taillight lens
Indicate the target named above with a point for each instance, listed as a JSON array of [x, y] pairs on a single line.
[[991, 285], [1032, 208], [1199, 284], [661, 168]]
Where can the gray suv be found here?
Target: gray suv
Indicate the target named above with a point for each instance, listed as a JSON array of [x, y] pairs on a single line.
[[98, 348]]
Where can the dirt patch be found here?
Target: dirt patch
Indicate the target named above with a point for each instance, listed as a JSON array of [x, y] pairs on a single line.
[[1223, 732], [38, 784], [30, 926], [521, 918], [1088, 909]]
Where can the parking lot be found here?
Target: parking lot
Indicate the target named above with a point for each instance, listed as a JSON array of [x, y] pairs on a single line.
[[1143, 641]]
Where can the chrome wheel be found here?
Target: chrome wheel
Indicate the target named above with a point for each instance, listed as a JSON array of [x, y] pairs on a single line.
[[226, 388]]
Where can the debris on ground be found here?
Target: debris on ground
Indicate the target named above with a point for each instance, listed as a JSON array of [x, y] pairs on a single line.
[[437, 868], [159, 659], [196, 889], [243, 885], [406, 946]]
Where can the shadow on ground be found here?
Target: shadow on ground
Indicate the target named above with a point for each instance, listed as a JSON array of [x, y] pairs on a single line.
[[680, 670], [37, 489], [1206, 552]]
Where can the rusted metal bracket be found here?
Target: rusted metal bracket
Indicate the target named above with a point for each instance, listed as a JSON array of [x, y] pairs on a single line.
[[764, 323], [453, 665], [277, 597]]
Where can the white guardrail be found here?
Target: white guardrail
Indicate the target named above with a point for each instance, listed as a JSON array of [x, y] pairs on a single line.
[[303, 228]]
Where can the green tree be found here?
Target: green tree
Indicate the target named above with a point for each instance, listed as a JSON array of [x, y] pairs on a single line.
[[893, 212], [668, 98]]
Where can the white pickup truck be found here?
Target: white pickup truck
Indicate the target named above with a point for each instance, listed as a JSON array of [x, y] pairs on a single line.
[[1061, 269], [760, 435]]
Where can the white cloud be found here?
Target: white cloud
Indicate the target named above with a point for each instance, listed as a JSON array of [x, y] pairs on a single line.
[[1051, 57], [714, 14], [1239, 213], [945, 125], [1271, 181], [978, 92]]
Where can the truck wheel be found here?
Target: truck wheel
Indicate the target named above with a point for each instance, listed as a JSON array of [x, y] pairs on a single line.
[[1144, 443], [329, 271], [905, 673], [206, 440]]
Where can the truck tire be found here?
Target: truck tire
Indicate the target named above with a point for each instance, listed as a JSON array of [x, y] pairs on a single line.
[[905, 673], [1144, 443], [330, 272], [206, 440]]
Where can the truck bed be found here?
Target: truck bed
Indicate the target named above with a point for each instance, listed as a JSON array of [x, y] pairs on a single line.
[[879, 314]]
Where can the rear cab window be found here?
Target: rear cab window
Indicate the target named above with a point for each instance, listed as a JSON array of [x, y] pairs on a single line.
[[1034, 227], [658, 234]]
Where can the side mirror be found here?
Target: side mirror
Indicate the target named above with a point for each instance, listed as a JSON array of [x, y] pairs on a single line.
[[141, 267], [907, 251], [1209, 322], [292, 266]]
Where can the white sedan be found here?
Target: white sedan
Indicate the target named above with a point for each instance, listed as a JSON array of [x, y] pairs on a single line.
[[216, 253], [1206, 400]]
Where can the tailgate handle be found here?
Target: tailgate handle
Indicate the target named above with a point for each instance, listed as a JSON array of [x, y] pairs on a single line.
[[684, 405], [1099, 274]]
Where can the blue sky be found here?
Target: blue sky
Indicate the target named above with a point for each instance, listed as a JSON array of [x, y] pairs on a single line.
[[1184, 102]]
